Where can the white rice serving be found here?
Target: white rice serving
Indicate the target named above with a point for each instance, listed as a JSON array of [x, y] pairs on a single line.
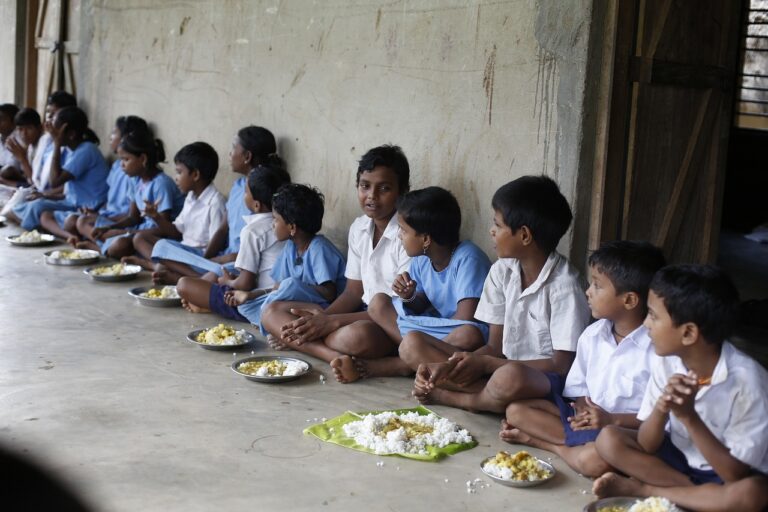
[[375, 432]]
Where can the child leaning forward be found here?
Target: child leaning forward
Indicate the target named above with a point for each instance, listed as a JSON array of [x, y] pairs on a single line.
[[608, 378]]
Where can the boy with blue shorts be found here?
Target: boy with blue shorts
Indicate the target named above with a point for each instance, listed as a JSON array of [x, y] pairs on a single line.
[[702, 443], [533, 300], [606, 382]]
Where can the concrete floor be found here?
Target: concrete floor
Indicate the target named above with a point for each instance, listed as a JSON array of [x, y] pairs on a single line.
[[107, 393]]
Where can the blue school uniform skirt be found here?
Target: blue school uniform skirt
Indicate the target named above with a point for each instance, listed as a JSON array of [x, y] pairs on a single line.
[[29, 213], [174, 250], [435, 326], [291, 289]]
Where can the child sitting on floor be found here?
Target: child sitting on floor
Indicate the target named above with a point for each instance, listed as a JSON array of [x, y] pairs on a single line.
[[121, 187], [532, 295], [155, 191], [203, 212], [251, 147], [309, 269], [344, 333], [259, 250], [78, 176], [26, 149], [437, 297], [610, 373], [704, 411]]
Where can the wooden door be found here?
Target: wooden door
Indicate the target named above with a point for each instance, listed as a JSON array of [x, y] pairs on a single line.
[[53, 59], [667, 128]]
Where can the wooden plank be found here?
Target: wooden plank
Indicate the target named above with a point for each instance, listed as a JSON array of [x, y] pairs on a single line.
[[671, 216], [660, 72]]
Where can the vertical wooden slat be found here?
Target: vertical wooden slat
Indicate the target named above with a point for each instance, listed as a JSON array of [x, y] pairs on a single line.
[[30, 54]]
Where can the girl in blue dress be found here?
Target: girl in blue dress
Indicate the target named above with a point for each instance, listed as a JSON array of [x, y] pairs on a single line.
[[77, 169], [121, 188], [155, 191], [437, 296]]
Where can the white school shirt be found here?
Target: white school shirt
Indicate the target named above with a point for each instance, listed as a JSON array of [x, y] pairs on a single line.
[[734, 407], [376, 266], [259, 248], [549, 315], [41, 165], [201, 216], [614, 376]]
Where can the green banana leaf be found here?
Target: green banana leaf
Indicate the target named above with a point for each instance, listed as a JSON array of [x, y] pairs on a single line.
[[332, 431]]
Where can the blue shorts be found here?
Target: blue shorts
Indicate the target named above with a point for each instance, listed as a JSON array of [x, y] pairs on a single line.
[[218, 306], [572, 437], [674, 458]]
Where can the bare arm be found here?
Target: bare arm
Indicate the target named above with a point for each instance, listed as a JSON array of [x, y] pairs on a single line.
[[218, 241], [465, 309]]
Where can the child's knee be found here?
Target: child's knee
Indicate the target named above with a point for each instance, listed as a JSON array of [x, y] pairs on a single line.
[[184, 287], [410, 347], [506, 383], [515, 412], [609, 442], [378, 304], [747, 494], [589, 463]]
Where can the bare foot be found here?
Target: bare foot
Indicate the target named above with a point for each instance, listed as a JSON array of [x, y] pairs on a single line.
[[276, 343], [163, 275], [512, 434], [192, 308], [348, 369], [611, 484], [136, 260]]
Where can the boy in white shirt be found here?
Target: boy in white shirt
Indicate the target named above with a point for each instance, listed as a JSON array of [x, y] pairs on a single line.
[[25, 148], [259, 250], [606, 382], [704, 411], [203, 211], [344, 334], [533, 300]]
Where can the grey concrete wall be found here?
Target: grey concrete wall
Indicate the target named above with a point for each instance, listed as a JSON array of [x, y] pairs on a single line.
[[7, 51], [477, 93]]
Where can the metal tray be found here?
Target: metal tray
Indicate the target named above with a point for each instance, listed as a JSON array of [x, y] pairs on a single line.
[[617, 501], [90, 257], [155, 303], [131, 272], [46, 239], [521, 483], [192, 338], [271, 380]]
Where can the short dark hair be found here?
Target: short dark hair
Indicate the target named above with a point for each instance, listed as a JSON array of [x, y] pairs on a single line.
[[701, 294], [300, 205], [432, 211], [128, 124], [259, 141], [391, 157], [629, 264], [62, 99], [143, 142], [199, 156], [264, 182], [27, 117], [9, 109], [536, 202]]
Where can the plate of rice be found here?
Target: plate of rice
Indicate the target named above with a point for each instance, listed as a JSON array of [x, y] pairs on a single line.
[[71, 257], [520, 469], [220, 337], [113, 273], [271, 369], [158, 296], [624, 504], [31, 239]]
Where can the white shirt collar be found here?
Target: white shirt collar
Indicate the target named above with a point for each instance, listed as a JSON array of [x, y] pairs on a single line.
[[254, 217], [389, 232]]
